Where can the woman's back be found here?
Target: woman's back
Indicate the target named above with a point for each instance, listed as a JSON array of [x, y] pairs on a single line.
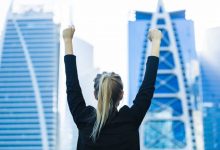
[[119, 133], [121, 129], [105, 128]]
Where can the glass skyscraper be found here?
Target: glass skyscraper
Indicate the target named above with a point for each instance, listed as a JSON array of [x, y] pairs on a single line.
[[210, 74], [174, 120], [29, 61]]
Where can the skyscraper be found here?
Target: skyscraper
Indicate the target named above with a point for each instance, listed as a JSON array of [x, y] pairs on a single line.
[[174, 112], [210, 74], [29, 62]]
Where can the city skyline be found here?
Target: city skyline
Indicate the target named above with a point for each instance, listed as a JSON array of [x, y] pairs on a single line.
[[114, 32], [107, 30], [103, 38]]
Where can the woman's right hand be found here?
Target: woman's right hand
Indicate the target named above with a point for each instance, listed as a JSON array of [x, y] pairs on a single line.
[[154, 35]]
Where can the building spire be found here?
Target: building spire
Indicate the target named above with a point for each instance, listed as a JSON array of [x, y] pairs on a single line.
[[160, 7]]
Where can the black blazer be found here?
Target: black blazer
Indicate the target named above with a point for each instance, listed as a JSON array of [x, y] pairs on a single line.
[[121, 130]]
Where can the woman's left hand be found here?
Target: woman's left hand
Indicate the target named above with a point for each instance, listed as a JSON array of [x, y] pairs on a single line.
[[68, 33]]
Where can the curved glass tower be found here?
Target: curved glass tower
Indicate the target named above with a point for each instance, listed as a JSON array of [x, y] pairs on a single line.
[[170, 121], [28, 82]]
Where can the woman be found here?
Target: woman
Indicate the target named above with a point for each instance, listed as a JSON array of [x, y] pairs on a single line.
[[104, 127]]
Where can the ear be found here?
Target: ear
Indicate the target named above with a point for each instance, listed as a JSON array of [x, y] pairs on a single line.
[[121, 95]]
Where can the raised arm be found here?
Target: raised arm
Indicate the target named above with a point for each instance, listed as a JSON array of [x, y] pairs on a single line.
[[143, 98], [75, 98]]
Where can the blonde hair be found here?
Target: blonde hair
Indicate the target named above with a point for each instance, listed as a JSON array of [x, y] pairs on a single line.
[[108, 87]]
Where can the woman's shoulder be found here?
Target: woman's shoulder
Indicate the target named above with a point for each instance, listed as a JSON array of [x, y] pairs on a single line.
[[88, 115], [88, 112], [124, 109], [90, 108]]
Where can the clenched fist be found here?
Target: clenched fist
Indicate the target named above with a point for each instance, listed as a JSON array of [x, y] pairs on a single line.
[[154, 34], [67, 37], [68, 33]]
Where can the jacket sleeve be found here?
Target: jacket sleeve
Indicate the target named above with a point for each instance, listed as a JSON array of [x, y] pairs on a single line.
[[143, 98], [75, 98]]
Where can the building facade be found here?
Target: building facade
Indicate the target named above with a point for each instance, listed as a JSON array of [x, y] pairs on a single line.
[[29, 62], [174, 120], [210, 75]]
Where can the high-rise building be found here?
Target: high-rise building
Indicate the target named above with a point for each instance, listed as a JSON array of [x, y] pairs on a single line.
[[29, 62], [174, 120], [210, 75]]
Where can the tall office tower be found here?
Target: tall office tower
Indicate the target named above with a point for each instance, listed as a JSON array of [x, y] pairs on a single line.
[[175, 109], [29, 61], [209, 63]]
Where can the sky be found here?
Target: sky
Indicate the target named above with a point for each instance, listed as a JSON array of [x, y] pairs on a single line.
[[104, 23]]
